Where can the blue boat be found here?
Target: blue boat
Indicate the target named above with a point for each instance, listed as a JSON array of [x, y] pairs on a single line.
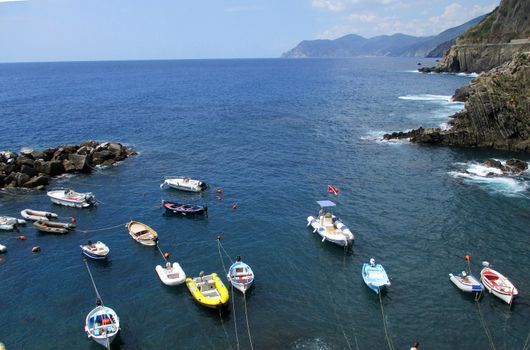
[[98, 250], [185, 209], [375, 276]]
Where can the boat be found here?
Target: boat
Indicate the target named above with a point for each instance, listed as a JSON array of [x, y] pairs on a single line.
[[71, 198], [171, 274], [8, 223], [185, 184], [98, 250], [329, 227], [375, 276], [498, 284], [185, 209], [3, 248], [466, 282], [53, 226], [36, 215], [240, 275], [208, 290], [142, 233], [102, 325]]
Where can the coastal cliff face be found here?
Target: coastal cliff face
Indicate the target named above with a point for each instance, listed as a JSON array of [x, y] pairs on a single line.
[[493, 41], [496, 114]]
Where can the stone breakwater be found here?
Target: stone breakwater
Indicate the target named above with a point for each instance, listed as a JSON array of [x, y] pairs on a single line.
[[34, 169]]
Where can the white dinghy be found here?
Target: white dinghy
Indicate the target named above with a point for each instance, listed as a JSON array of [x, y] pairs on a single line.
[[3, 248], [8, 223], [498, 284], [184, 184], [466, 282], [240, 275], [329, 227], [71, 198], [37, 215], [171, 274]]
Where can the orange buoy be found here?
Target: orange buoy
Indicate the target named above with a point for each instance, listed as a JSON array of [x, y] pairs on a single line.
[[468, 257], [234, 206], [22, 237], [219, 190], [72, 219], [166, 255], [35, 249]]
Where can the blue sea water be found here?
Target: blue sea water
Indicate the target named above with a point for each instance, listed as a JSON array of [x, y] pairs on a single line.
[[272, 134]]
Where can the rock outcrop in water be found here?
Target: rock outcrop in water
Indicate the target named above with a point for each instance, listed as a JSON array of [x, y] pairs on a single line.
[[34, 169], [496, 114]]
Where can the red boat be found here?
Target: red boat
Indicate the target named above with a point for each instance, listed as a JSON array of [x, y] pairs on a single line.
[[497, 284]]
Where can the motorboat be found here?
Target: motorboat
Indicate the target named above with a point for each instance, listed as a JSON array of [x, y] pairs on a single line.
[[102, 325], [171, 274], [184, 184], [142, 233], [98, 250], [185, 209], [8, 223], [70, 198], [240, 275], [375, 276], [466, 282], [498, 284], [329, 227], [208, 290], [3, 248], [36, 215], [53, 226]]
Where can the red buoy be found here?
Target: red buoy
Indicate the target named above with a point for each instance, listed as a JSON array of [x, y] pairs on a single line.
[[22, 237], [234, 206], [468, 257], [219, 190], [72, 219]]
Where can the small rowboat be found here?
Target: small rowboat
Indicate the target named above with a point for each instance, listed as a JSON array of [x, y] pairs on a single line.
[[3, 248], [53, 227], [8, 223], [142, 233], [98, 250], [329, 227], [375, 276], [185, 184], [102, 325], [208, 290], [240, 275], [71, 198], [171, 274], [185, 209], [497, 284], [466, 283], [35, 215]]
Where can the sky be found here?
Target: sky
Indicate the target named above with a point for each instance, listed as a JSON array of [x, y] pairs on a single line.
[[74, 30]]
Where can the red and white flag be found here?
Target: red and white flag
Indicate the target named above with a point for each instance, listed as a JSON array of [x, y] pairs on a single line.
[[333, 189]]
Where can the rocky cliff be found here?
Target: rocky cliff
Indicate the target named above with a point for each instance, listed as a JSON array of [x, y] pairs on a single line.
[[496, 114], [493, 41]]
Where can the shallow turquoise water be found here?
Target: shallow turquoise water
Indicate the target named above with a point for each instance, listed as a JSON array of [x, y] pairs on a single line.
[[272, 134]]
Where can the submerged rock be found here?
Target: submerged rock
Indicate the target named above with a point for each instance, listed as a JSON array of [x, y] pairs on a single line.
[[34, 169], [516, 165]]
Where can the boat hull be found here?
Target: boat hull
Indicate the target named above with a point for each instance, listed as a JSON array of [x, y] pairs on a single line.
[[469, 284], [8, 223], [102, 334], [184, 184], [36, 215], [215, 302], [375, 277], [343, 239], [173, 277], [184, 209], [498, 285], [102, 252], [241, 276], [142, 233], [72, 199], [53, 227]]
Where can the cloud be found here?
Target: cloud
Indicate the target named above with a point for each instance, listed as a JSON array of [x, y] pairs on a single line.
[[332, 5]]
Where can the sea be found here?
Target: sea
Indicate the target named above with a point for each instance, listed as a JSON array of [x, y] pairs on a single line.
[[272, 134]]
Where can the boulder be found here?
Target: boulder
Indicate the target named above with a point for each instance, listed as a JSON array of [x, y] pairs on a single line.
[[84, 150], [60, 154], [28, 170], [492, 163], [21, 179], [89, 144], [23, 160], [37, 181], [99, 157], [7, 168], [69, 166], [108, 162], [516, 165], [79, 161], [52, 168], [37, 155], [48, 154]]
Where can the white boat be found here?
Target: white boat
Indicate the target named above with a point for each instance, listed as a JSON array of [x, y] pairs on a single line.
[[171, 274], [8, 223], [142, 233], [3, 248], [71, 198], [329, 227], [375, 277], [98, 250], [102, 325], [36, 215], [466, 282], [184, 184], [240, 275], [498, 284]]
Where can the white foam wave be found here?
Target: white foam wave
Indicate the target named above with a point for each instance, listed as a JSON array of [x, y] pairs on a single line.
[[426, 97], [468, 75], [377, 136]]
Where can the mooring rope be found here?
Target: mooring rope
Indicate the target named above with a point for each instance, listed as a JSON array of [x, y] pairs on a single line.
[[337, 317], [484, 325], [248, 323], [224, 329], [388, 339], [232, 289], [104, 228], [526, 342], [93, 283]]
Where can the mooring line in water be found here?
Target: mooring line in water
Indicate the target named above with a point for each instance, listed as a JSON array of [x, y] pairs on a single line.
[[232, 290], [388, 339], [526, 342], [93, 283], [248, 323], [104, 228], [485, 326], [224, 329], [337, 317]]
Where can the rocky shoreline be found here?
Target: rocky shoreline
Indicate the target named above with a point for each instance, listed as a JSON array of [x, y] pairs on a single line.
[[35, 169]]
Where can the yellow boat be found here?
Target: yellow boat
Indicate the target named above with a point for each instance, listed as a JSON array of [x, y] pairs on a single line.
[[208, 290]]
